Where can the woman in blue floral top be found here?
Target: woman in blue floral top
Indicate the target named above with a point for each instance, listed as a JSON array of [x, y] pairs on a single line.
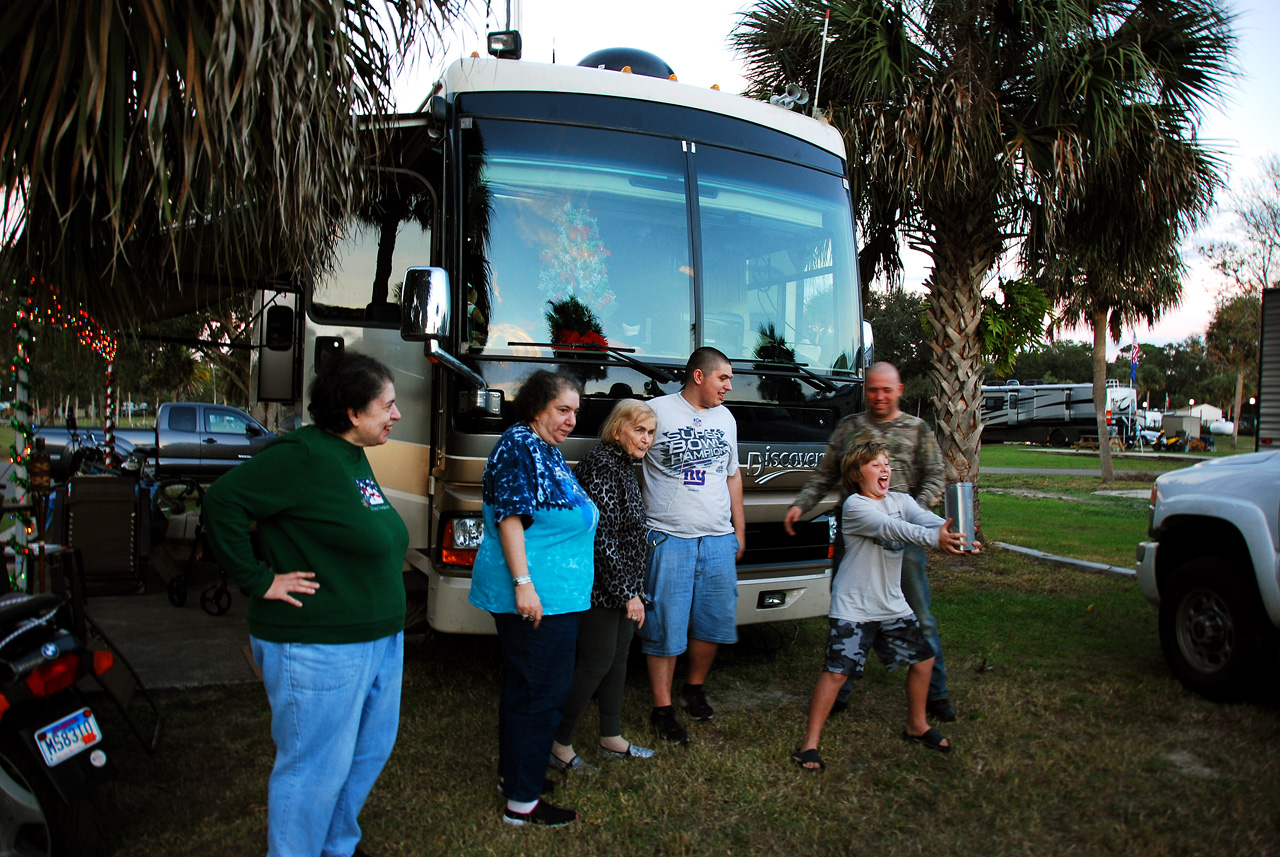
[[533, 573], [608, 475]]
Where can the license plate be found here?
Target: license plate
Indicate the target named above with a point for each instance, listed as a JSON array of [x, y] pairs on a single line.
[[65, 738]]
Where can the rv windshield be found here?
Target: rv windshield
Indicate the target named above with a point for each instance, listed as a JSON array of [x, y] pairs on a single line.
[[580, 234]]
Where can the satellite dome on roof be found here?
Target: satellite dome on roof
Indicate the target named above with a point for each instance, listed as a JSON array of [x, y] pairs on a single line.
[[641, 62]]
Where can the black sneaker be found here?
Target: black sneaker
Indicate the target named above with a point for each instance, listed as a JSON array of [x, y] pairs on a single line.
[[542, 813], [667, 727], [840, 706], [694, 700], [940, 709]]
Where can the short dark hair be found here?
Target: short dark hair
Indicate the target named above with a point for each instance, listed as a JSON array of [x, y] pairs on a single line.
[[346, 383], [705, 358], [539, 390]]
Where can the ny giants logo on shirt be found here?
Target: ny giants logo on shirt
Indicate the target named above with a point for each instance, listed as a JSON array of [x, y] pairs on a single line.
[[370, 493], [693, 451]]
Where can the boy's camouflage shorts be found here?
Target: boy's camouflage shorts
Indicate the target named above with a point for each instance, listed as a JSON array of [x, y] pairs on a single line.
[[898, 643]]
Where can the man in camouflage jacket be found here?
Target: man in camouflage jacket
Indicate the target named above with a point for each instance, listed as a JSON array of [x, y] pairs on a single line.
[[917, 470]]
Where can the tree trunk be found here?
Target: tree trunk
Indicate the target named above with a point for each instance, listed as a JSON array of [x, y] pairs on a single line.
[[1100, 394], [1235, 425], [954, 309]]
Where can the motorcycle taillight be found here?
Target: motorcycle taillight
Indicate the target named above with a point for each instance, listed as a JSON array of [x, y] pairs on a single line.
[[48, 679]]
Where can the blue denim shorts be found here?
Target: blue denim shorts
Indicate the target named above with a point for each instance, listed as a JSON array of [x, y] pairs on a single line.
[[692, 585], [898, 642]]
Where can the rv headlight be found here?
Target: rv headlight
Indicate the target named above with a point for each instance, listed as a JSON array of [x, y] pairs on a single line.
[[460, 541]]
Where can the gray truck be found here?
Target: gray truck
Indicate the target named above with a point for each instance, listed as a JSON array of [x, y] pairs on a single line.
[[1211, 567], [190, 439], [200, 440]]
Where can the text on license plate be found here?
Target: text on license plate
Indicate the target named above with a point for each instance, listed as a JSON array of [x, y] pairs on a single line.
[[64, 738]]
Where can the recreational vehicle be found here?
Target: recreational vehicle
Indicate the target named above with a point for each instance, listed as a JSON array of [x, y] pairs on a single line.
[[1054, 414], [604, 224]]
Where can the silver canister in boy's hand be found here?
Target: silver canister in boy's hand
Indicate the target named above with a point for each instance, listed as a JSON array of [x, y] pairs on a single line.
[[958, 506]]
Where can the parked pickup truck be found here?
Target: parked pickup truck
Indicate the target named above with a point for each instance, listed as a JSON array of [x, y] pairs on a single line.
[[191, 439], [1211, 565], [200, 440]]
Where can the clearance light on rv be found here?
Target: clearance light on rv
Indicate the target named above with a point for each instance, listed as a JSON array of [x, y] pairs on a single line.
[[462, 537]]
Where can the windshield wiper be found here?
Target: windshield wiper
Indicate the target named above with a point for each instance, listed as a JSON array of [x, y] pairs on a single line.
[[622, 355], [801, 369]]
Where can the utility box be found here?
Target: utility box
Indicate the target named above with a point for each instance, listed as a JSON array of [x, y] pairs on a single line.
[[1188, 425]]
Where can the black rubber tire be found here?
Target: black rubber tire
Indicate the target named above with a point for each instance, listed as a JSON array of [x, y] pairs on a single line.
[[1058, 438], [216, 600], [34, 819], [177, 589], [1213, 630]]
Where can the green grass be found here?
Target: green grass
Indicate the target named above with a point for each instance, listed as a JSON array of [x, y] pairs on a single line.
[[1073, 738], [1005, 455], [1098, 529]]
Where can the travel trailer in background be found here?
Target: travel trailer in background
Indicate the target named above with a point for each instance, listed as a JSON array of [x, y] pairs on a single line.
[[603, 223], [1054, 414]]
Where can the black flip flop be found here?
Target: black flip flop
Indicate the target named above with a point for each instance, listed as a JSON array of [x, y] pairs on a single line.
[[932, 740], [808, 757]]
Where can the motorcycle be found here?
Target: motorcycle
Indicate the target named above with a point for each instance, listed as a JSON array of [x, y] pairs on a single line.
[[52, 756]]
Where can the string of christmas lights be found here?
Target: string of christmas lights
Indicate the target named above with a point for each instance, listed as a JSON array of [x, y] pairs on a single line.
[[27, 317]]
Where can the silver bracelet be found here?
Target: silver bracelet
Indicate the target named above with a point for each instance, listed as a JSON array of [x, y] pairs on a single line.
[[521, 580]]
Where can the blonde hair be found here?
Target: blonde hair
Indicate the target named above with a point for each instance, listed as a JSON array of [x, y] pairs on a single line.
[[858, 455], [625, 413]]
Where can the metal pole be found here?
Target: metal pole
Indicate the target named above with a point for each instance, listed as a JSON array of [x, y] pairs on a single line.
[[822, 57]]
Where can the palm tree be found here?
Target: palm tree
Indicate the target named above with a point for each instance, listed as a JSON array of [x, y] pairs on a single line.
[[144, 142], [1233, 340], [974, 119], [1112, 258]]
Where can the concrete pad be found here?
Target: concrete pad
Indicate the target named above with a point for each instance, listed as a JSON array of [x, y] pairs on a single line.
[[177, 647]]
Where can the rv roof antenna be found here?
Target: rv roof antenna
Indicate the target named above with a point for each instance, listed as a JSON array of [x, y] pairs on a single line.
[[822, 56]]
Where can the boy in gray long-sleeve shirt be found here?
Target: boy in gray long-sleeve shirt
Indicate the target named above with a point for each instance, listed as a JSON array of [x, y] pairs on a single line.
[[868, 610]]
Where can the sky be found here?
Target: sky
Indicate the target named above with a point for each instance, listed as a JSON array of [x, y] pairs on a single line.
[[692, 36]]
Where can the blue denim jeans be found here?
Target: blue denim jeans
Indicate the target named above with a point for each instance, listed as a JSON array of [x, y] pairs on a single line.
[[692, 586], [535, 686], [915, 587], [335, 711]]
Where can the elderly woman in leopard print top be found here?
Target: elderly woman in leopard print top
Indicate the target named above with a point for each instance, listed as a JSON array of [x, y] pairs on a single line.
[[608, 475]]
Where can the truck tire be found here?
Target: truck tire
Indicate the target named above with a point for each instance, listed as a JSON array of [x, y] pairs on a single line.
[[1213, 631], [34, 820]]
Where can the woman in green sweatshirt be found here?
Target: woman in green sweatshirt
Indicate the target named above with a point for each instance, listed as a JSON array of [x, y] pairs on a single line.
[[327, 605]]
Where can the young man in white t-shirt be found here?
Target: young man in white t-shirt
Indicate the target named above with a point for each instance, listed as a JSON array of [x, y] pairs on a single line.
[[696, 534]]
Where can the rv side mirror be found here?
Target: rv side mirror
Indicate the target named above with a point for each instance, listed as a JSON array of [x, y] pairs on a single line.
[[868, 354], [424, 304], [279, 333]]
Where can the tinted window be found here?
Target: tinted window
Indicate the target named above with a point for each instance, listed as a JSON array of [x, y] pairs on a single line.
[[182, 418], [573, 231]]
